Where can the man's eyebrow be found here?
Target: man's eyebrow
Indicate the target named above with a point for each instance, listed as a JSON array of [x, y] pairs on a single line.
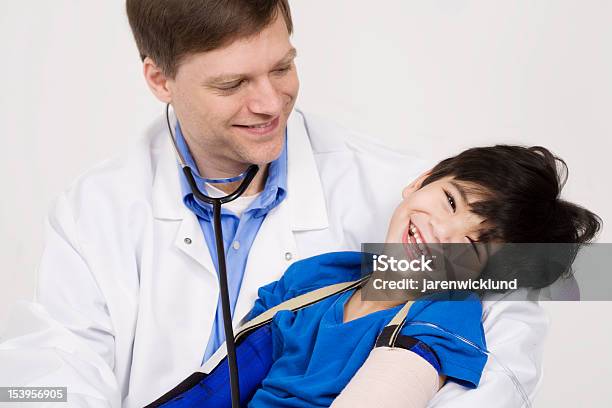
[[287, 58], [461, 191], [291, 54]]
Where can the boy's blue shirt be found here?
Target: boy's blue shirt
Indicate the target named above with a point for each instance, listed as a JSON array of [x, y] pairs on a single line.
[[315, 354]]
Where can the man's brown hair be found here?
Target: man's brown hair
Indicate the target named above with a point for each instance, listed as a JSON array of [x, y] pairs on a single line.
[[168, 30]]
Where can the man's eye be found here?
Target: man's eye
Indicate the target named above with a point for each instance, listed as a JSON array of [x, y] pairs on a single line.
[[282, 70], [451, 200], [232, 86]]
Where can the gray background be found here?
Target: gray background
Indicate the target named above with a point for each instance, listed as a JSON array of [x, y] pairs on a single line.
[[431, 76]]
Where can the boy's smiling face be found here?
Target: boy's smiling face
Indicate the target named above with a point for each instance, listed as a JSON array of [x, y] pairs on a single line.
[[438, 212]]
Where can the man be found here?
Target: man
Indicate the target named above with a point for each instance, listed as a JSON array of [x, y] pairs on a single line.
[[128, 291]]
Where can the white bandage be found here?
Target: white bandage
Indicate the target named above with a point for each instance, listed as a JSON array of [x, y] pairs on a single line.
[[390, 378]]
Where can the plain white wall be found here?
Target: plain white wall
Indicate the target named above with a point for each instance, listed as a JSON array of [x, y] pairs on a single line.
[[433, 76]]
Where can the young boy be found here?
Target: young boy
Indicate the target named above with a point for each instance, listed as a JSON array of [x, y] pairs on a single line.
[[490, 194]]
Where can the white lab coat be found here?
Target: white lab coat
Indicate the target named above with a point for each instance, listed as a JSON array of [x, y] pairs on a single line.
[[125, 304]]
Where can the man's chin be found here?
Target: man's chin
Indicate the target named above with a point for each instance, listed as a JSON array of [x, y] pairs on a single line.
[[262, 153], [265, 157]]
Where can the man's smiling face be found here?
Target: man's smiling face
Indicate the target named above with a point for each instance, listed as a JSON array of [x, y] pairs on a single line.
[[233, 102]]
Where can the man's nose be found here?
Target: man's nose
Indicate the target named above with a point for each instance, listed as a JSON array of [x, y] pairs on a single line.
[[265, 99]]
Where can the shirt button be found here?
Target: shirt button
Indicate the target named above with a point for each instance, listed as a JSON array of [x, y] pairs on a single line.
[[236, 245], [288, 256], [187, 241]]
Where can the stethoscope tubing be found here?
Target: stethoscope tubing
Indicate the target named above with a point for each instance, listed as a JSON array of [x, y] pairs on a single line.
[[216, 203]]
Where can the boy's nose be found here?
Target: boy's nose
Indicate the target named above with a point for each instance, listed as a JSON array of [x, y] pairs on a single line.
[[446, 229]]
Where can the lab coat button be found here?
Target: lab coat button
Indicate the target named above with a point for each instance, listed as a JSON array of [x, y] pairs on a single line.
[[187, 241], [288, 256], [236, 245]]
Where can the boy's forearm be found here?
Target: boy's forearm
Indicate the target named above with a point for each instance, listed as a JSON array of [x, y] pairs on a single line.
[[390, 378], [515, 333]]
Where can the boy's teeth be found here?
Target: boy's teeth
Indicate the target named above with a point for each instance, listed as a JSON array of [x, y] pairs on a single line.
[[416, 234], [417, 238]]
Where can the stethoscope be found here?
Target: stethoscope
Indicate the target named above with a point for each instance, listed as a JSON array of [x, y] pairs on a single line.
[[216, 203]]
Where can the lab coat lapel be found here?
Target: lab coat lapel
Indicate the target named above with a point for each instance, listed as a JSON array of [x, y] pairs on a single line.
[[303, 209], [190, 240], [168, 206], [267, 259], [305, 196]]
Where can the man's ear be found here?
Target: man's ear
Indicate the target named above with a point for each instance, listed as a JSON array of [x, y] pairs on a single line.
[[415, 185], [156, 80]]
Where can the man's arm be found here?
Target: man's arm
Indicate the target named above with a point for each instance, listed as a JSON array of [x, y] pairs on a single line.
[[515, 332], [67, 338]]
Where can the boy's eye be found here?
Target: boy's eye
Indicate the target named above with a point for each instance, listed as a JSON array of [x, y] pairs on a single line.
[[451, 200]]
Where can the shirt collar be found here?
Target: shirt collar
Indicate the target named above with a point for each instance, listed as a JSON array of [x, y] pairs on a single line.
[[273, 193]]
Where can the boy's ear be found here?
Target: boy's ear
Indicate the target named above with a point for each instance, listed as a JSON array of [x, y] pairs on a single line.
[[416, 184]]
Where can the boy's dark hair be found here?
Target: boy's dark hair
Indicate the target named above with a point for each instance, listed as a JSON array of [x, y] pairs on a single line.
[[168, 30], [519, 189]]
